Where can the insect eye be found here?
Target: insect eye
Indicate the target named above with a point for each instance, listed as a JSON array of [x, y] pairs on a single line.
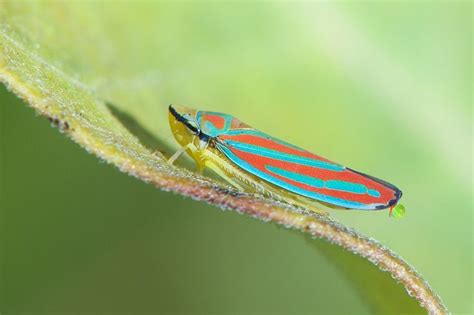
[[194, 126]]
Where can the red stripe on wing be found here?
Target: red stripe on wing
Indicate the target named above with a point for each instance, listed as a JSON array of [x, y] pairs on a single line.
[[216, 120]]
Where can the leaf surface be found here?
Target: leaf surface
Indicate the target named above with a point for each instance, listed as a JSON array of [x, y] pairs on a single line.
[[101, 85]]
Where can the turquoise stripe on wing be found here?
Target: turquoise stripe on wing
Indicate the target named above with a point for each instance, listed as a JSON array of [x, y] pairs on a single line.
[[338, 185], [249, 148], [271, 178]]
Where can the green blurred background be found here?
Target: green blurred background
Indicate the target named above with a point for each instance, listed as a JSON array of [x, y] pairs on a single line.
[[382, 87]]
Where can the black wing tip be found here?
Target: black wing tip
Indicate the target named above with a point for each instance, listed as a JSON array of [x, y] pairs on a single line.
[[392, 202], [398, 193]]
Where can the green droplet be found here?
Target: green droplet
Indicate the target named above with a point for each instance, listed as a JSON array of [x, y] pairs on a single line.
[[399, 211]]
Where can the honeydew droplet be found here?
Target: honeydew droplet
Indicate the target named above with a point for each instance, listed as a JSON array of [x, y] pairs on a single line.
[[398, 211]]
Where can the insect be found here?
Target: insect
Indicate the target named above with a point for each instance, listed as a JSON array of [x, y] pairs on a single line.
[[253, 161]]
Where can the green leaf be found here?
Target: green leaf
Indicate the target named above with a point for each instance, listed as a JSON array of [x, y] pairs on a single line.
[[95, 71]]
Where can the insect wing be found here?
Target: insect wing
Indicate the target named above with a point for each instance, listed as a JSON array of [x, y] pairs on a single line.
[[304, 173]]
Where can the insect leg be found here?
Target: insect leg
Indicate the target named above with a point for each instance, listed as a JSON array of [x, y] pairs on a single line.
[[200, 164], [225, 176], [178, 153]]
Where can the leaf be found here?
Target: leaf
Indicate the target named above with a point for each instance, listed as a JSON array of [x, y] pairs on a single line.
[[98, 87]]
